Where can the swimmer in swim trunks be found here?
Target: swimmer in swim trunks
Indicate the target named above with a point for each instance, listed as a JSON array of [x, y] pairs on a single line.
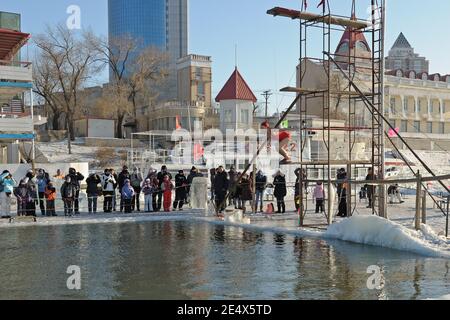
[[284, 137]]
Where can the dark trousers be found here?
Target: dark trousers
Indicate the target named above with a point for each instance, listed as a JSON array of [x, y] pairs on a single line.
[[178, 204], [41, 202], [68, 207], [281, 205], [31, 208], [51, 208], [154, 202], [77, 202], [126, 205], [320, 205], [220, 203], [92, 202], [21, 208], [342, 207], [180, 198], [135, 203], [160, 199], [108, 201]]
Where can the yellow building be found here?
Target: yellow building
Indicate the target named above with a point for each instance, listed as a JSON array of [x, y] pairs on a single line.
[[194, 97]]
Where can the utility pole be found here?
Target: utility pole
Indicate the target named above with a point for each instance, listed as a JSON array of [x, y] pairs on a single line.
[[266, 96]]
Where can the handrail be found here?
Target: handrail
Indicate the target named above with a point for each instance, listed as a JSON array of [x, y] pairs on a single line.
[[19, 115], [25, 64], [384, 182]]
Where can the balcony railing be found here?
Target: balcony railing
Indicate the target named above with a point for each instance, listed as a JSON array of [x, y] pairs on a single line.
[[15, 122], [16, 71]]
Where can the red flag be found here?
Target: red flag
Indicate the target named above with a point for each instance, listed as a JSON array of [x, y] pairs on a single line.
[[322, 3], [178, 125], [199, 151]]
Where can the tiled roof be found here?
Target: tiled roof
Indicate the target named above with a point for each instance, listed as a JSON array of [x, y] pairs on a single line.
[[10, 42], [351, 37], [236, 89]]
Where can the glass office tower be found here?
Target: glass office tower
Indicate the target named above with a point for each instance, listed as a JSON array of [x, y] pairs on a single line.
[[159, 23], [144, 20]]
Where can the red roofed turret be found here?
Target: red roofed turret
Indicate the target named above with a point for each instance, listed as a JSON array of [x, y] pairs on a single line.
[[236, 89]]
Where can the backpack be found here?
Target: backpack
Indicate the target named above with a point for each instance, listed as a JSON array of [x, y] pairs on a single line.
[[135, 182]]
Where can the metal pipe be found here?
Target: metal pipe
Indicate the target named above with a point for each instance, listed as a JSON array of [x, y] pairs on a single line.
[[418, 198], [446, 220]]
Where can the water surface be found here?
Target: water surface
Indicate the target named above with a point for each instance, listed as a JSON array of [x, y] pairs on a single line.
[[190, 260]]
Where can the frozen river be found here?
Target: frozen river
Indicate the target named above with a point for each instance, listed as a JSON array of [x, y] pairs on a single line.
[[192, 260]]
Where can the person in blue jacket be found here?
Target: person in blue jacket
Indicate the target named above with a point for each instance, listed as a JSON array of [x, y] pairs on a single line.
[[127, 196], [7, 184]]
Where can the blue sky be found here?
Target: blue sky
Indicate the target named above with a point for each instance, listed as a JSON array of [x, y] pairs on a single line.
[[267, 47]]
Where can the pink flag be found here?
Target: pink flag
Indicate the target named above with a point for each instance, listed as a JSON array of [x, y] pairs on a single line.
[[393, 133]]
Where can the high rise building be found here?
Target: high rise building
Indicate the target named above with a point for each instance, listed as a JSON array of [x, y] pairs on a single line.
[[159, 23], [402, 57]]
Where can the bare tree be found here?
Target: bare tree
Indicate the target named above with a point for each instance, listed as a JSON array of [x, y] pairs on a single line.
[[256, 107], [133, 75], [147, 71], [46, 87], [70, 61]]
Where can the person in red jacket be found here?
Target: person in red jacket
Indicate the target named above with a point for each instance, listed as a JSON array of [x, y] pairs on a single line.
[[167, 188], [284, 137]]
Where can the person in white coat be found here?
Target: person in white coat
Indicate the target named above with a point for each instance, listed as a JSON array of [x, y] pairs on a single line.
[[108, 186]]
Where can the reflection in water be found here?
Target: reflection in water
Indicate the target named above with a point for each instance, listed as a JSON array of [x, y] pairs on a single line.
[[182, 260]]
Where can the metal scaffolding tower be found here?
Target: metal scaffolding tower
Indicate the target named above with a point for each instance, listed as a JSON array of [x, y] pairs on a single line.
[[373, 66]]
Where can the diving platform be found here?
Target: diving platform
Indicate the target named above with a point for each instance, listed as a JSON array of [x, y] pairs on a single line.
[[313, 17]]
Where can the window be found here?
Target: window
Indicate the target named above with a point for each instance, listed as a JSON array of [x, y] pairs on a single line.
[[442, 127], [392, 105], [361, 46], [429, 127], [344, 48], [430, 107], [228, 116], [405, 105], [404, 126], [245, 117], [201, 88], [419, 107], [417, 126]]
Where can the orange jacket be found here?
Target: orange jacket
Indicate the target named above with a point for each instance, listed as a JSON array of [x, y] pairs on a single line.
[[50, 194]]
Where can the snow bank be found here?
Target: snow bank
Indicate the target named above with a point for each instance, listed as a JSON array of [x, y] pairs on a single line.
[[446, 297], [237, 216], [373, 230]]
